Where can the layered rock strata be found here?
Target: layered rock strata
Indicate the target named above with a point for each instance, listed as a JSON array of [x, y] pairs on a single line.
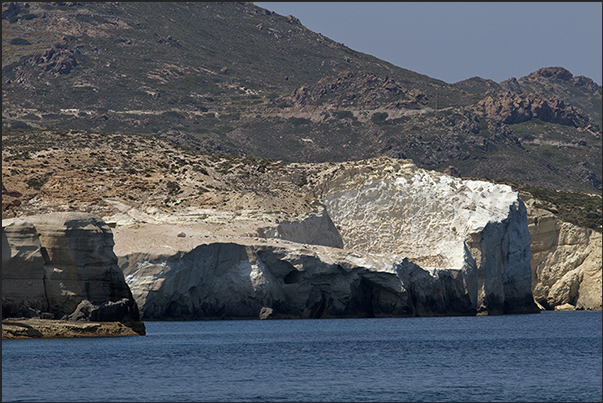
[[62, 266], [395, 240], [566, 263]]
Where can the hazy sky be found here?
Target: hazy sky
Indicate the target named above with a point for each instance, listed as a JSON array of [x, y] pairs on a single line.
[[455, 41]]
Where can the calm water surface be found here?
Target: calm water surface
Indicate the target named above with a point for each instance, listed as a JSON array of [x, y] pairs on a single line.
[[551, 356]]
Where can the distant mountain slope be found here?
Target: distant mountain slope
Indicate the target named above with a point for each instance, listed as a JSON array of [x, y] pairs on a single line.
[[236, 78]]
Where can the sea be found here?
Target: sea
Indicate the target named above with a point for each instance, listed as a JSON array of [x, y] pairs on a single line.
[[553, 356]]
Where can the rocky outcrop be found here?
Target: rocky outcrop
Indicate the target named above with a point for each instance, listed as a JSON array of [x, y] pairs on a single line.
[[510, 108], [552, 73], [57, 60], [287, 280], [566, 263], [62, 266], [438, 222], [23, 288], [312, 228], [414, 243], [33, 328], [352, 89]]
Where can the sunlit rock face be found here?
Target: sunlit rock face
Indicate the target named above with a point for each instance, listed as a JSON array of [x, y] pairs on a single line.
[[62, 266], [287, 280], [314, 229], [438, 222], [232, 280], [391, 240], [23, 288], [566, 265]]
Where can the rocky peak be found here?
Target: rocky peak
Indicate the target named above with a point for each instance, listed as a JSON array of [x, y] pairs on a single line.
[[478, 85], [558, 75], [553, 73], [512, 85]]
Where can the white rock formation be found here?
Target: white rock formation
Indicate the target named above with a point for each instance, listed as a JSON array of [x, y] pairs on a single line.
[[281, 279], [414, 243], [438, 222], [23, 287], [62, 265], [234, 280], [567, 264], [314, 229]]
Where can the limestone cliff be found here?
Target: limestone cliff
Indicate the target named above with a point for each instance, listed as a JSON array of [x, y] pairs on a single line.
[[391, 240], [62, 266], [281, 279], [437, 221], [566, 263]]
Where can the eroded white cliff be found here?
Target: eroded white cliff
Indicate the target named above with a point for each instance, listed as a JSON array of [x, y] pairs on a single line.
[[62, 266], [438, 222], [567, 264], [444, 246]]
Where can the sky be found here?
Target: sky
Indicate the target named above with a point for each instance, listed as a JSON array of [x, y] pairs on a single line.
[[456, 41]]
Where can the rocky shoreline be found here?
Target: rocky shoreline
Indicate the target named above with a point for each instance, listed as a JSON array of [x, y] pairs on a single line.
[[33, 328]]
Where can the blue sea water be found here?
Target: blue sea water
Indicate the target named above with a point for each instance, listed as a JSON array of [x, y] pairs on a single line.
[[551, 356]]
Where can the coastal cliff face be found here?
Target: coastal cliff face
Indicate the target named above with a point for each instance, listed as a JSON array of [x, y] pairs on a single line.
[[62, 266], [566, 263], [396, 241], [438, 222], [232, 280], [379, 237], [283, 279]]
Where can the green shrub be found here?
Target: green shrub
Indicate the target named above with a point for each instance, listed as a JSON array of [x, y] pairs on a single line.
[[344, 114], [173, 187], [379, 117], [20, 41], [36, 183], [299, 121]]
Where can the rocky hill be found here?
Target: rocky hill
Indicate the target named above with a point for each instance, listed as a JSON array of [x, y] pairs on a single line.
[[236, 78]]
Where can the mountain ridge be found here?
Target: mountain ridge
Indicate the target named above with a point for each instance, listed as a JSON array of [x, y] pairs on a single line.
[[239, 79]]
